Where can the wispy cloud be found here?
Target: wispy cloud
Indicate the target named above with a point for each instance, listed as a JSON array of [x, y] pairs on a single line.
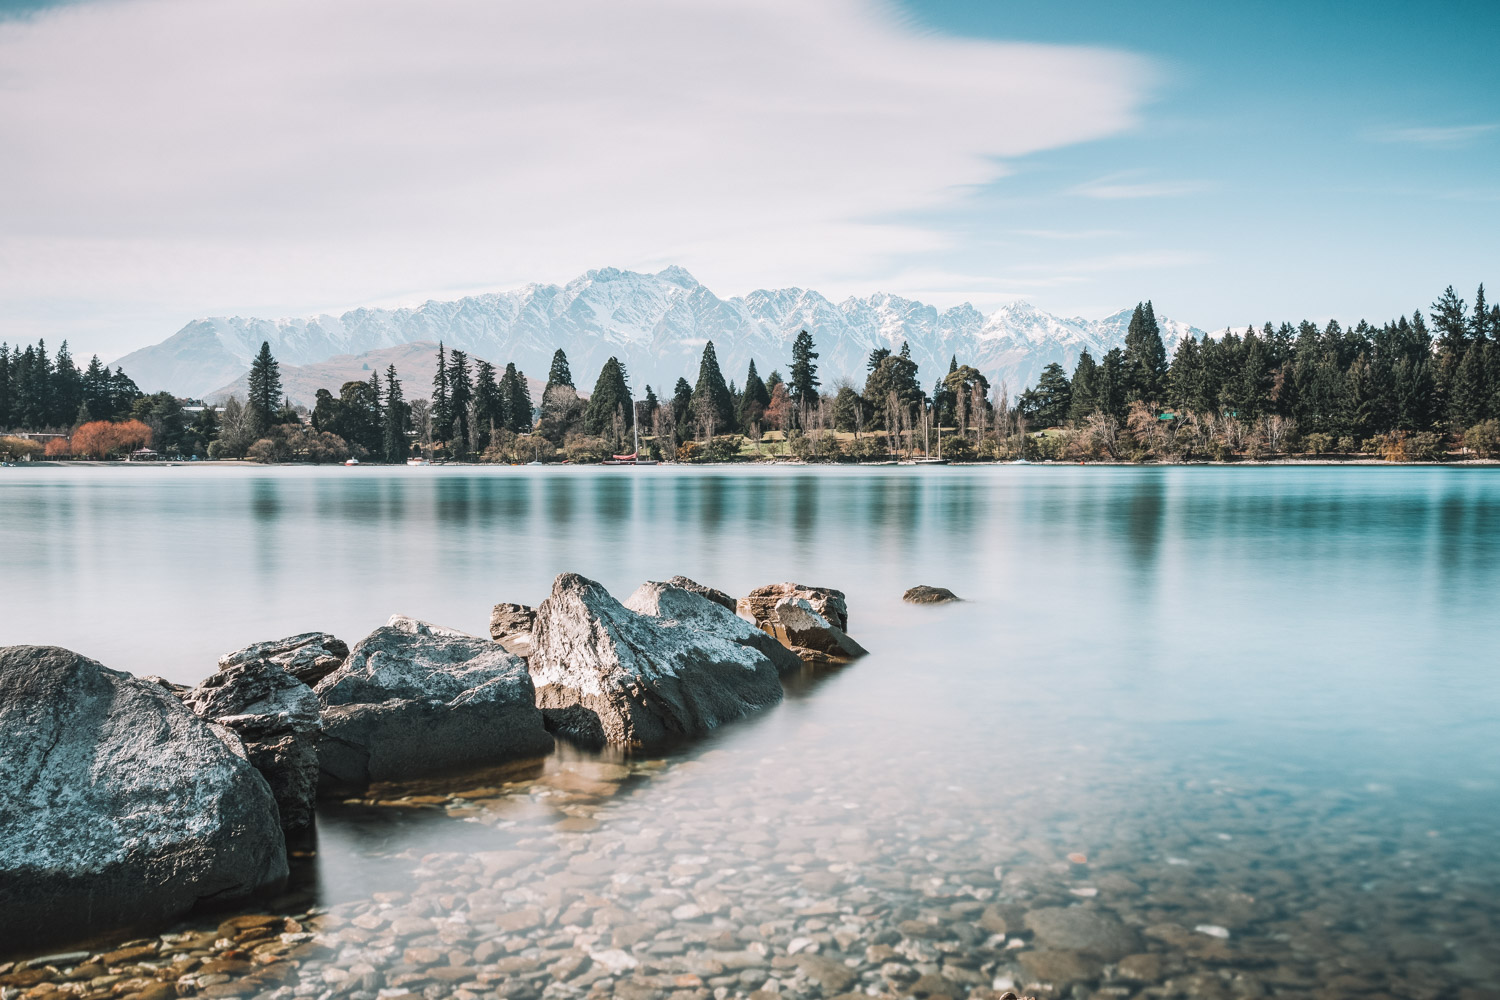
[[1436, 135], [256, 154], [1061, 234], [1121, 186]]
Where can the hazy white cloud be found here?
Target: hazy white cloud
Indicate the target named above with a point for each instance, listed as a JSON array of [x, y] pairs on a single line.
[[180, 157], [1121, 186], [1436, 135]]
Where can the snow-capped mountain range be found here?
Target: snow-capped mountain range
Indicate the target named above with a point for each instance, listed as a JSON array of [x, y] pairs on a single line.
[[656, 324]]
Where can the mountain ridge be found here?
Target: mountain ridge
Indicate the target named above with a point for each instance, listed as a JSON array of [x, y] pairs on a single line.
[[656, 324]]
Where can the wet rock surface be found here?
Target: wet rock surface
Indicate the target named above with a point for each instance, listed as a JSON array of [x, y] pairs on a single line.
[[117, 804], [797, 625], [308, 656], [698, 611], [923, 594], [759, 605], [415, 698], [607, 674], [275, 716]]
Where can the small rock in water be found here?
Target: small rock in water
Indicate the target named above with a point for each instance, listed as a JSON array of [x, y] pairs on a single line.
[[1213, 930], [923, 594]]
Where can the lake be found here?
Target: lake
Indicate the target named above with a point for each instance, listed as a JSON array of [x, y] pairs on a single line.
[[1228, 729]]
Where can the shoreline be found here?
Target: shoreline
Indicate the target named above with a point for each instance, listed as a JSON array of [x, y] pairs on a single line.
[[774, 463]]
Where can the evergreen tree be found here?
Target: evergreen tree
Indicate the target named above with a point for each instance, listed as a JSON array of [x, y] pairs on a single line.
[[1450, 317], [442, 406], [559, 373], [1111, 396], [6, 401], [1049, 402], [397, 419], [1469, 397], [516, 397], [67, 390], [682, 407], [611, 398], [489, 402], [804, 381], [264, 391], [1084, 399], [755, 398], [460, 395], [711, 403], [1145, 356]]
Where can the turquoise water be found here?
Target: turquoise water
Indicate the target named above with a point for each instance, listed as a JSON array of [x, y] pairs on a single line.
[[1280, 684]]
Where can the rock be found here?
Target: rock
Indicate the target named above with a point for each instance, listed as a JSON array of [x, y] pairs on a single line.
[[720, 598], [309, 657], [759, 603], [815, 639], [691, 608], [117, 804], [1074, 928], [1058, 967], [923, 594], [833, 976], [415, 699], [511, 625], [1141, 968], [605, 674], [275, 717]]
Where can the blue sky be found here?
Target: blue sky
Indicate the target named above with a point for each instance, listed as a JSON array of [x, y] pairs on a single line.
[[171, 159]]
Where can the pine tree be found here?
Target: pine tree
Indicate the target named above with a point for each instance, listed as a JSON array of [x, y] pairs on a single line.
[[264, 391], [460, 395], [5, 392], [489, 401], [67, 388], [711, 403], [804, 381], [682, 406], [1145, 356], [611, 397], [559, 373], [1469, 397], [442, 407], [517, 400], [397, 418], [1085, 388]]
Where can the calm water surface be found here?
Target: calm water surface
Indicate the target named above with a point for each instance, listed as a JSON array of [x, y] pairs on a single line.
[[1262, 702]]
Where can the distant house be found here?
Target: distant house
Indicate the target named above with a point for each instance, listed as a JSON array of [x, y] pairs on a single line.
[[142, 455]]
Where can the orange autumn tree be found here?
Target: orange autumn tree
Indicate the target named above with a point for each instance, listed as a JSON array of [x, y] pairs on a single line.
[[58, 448], [101, 438]]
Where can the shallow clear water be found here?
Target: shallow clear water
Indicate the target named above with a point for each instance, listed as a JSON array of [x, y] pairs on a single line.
[[1261, 700]]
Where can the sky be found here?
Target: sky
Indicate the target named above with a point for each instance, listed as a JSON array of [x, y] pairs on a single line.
[[162, 160]]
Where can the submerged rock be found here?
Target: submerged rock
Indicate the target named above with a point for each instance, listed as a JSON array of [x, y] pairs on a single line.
[[275, 717], [1076, 929], [117, 804], [309, 657], [606, 674], [923, 594], [691, 608], [415, 699], [758, 605], [720, 598]]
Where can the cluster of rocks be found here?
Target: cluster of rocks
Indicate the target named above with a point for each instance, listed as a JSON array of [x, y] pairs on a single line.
[[126, 800]]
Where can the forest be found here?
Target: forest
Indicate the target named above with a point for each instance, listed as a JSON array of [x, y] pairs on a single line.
[[1414, 388]]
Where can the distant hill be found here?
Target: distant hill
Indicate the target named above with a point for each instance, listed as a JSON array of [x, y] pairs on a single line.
[[656, 324]]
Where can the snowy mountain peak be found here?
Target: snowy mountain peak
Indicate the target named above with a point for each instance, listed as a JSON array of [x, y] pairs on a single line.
[[656, 324]]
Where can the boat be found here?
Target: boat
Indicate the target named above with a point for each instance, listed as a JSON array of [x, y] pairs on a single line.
[[418, 461], [351, 461], [634, 458]]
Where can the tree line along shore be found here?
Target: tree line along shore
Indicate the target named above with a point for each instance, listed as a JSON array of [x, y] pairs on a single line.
[[1417, 388]]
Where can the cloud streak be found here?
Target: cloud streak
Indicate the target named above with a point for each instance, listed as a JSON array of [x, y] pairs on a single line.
[[1450, 136], [261, 154]]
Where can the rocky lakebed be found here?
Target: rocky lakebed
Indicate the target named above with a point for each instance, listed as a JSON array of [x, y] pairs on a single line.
[[543, 813]]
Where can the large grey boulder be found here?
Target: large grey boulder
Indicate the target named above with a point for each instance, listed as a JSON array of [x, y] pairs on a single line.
[[118, 806], [275, 717], [606, 674], [309, 657], [709, 617], [417, 699]]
